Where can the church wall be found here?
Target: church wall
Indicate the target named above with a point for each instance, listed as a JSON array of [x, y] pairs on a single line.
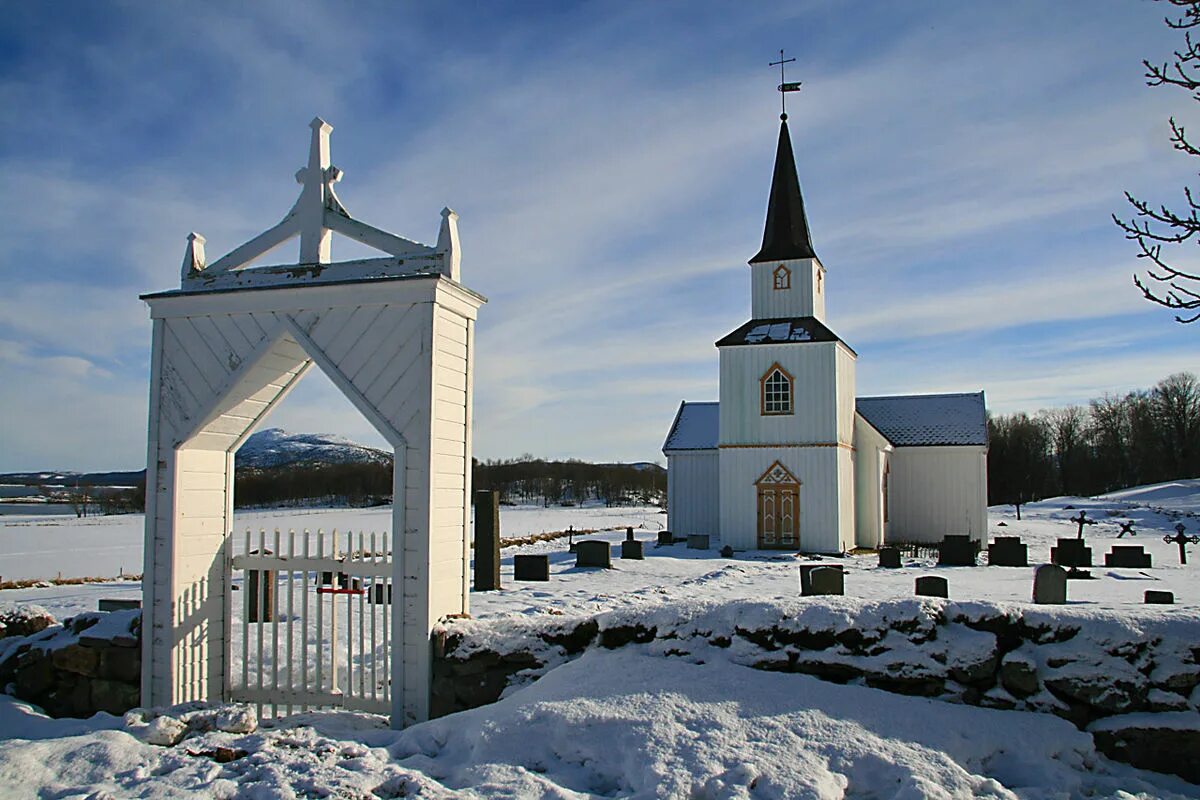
[[816, 402], [801, 299], [819, 473], [693, 492], [845, 362], [937, 491], [869, 447]]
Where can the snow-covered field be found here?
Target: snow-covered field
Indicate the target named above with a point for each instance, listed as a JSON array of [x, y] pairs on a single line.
[[626, 723]]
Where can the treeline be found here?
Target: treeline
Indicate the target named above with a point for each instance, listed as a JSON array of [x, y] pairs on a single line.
[[1146, 436], [354, 484], [534, 480]]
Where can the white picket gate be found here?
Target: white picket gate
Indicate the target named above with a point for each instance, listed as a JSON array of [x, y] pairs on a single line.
[[314, 624]]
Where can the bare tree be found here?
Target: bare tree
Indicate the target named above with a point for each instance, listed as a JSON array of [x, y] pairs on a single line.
[[1171, 286]]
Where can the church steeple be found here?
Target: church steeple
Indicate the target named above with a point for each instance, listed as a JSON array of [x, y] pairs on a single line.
[[786, 236]]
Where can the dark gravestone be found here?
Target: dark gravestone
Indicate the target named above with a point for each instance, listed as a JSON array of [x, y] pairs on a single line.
[[932, 586], [1071, 553], [593, 553], [665, 538], [956, 551], [889, 557], [629, 534], [697, 541], [632, 549], [806, 572], [727, 552], [260, 592], [1156, 597], [1008, 551], [1050, 584], [487, 541], [531, 568], [1181, 538], [119, 603], [826, 580], [1129, 556]]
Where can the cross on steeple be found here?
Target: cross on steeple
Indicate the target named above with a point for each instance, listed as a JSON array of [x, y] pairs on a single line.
[[784, 86], [317, 179]]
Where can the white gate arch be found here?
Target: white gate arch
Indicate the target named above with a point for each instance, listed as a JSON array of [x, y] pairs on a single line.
[[395, 334]]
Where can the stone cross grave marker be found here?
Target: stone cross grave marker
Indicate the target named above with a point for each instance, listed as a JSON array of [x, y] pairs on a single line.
[[487, 540], [1180, 538], [1126, 527], [1008, 551], [932, 586], [1050, 585], [1081, 521]]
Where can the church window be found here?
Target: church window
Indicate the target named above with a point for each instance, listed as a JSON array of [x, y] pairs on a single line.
[[776, 391], [783, 277]]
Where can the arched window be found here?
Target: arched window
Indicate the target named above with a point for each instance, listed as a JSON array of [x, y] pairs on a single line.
[[776, 391], [783, 277]]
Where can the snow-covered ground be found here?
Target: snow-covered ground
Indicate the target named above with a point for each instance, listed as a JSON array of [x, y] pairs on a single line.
[[617, 724]]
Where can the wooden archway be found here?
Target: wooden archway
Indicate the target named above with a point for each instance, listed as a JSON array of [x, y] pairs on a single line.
[[394, 334]]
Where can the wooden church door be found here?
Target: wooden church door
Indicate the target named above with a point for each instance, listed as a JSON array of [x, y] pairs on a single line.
[[778, 509]]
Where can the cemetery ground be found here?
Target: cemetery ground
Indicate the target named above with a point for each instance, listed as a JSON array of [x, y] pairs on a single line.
[[629, 721]]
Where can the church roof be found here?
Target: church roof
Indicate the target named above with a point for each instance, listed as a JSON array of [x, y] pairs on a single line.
[[695, 428], [927, 420], [786, 235], [779, 330]]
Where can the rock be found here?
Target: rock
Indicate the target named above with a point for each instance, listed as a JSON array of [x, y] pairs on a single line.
[[621, 635], [120, 664], [78, 659], [165, 731], [1104, 692], [115, 697], [577, 640], [1158, 700], [35, 675], [981, 672], [1167, 749], [237, 719], [26, 621], [1019, 676]]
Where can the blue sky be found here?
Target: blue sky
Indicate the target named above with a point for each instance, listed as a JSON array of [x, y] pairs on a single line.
[[610, 163]]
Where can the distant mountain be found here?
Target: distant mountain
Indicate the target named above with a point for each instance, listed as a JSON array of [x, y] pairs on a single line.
[[71, 479], [275, 447]]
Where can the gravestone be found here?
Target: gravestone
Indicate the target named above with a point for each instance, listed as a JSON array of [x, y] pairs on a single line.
[[260, 586], [932, 586], [382, 596], [806, 579], [487, 540], [826, 580], [697, 541], [1008, 551], [1050, 584], [119, 603], [593, 553], [1158, 597], [629, 534], [956, 551], [1071, 553], [631, 548], [889, 557], [665, 538], [727, 552], [1126, 527], [531, 568], [1181, 538], [1129, 556]]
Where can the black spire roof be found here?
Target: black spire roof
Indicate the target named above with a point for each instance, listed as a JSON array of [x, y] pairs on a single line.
[[786, 235]]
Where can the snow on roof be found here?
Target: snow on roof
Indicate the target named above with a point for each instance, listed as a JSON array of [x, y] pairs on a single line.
[[695, 428], [779, 329], [928, 419]]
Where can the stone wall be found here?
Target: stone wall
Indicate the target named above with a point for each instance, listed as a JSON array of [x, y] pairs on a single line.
[[91, 662], [1084, 666]]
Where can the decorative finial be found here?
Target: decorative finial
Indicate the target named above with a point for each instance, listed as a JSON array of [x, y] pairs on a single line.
[[784, 86], [193, 257], [448, 245]]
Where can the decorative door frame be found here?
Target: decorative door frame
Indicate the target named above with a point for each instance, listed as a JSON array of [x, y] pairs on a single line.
[[777, 500]]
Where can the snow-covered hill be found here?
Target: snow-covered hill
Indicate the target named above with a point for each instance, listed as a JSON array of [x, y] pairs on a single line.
[[275, 447]]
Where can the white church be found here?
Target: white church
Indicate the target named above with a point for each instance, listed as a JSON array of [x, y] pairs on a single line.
[[789, 458]]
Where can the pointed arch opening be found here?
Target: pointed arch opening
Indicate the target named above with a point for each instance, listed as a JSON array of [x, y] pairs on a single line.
[[782, 278], [776, 391]]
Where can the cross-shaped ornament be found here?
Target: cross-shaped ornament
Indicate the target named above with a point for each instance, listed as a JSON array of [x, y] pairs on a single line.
[[1082, 520], [1126, 527], [784, 86], [1180, 538]]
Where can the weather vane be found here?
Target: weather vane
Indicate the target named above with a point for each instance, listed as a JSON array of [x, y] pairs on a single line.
[[784, 86]]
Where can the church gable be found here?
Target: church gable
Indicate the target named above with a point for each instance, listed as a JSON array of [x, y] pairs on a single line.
[[777, 475]]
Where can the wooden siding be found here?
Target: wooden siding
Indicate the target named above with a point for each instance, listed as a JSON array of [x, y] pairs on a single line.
[[693, 492], [821, 472], [800, 300], [870, 448], [401, 352], [937, 491], [815, 396]]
